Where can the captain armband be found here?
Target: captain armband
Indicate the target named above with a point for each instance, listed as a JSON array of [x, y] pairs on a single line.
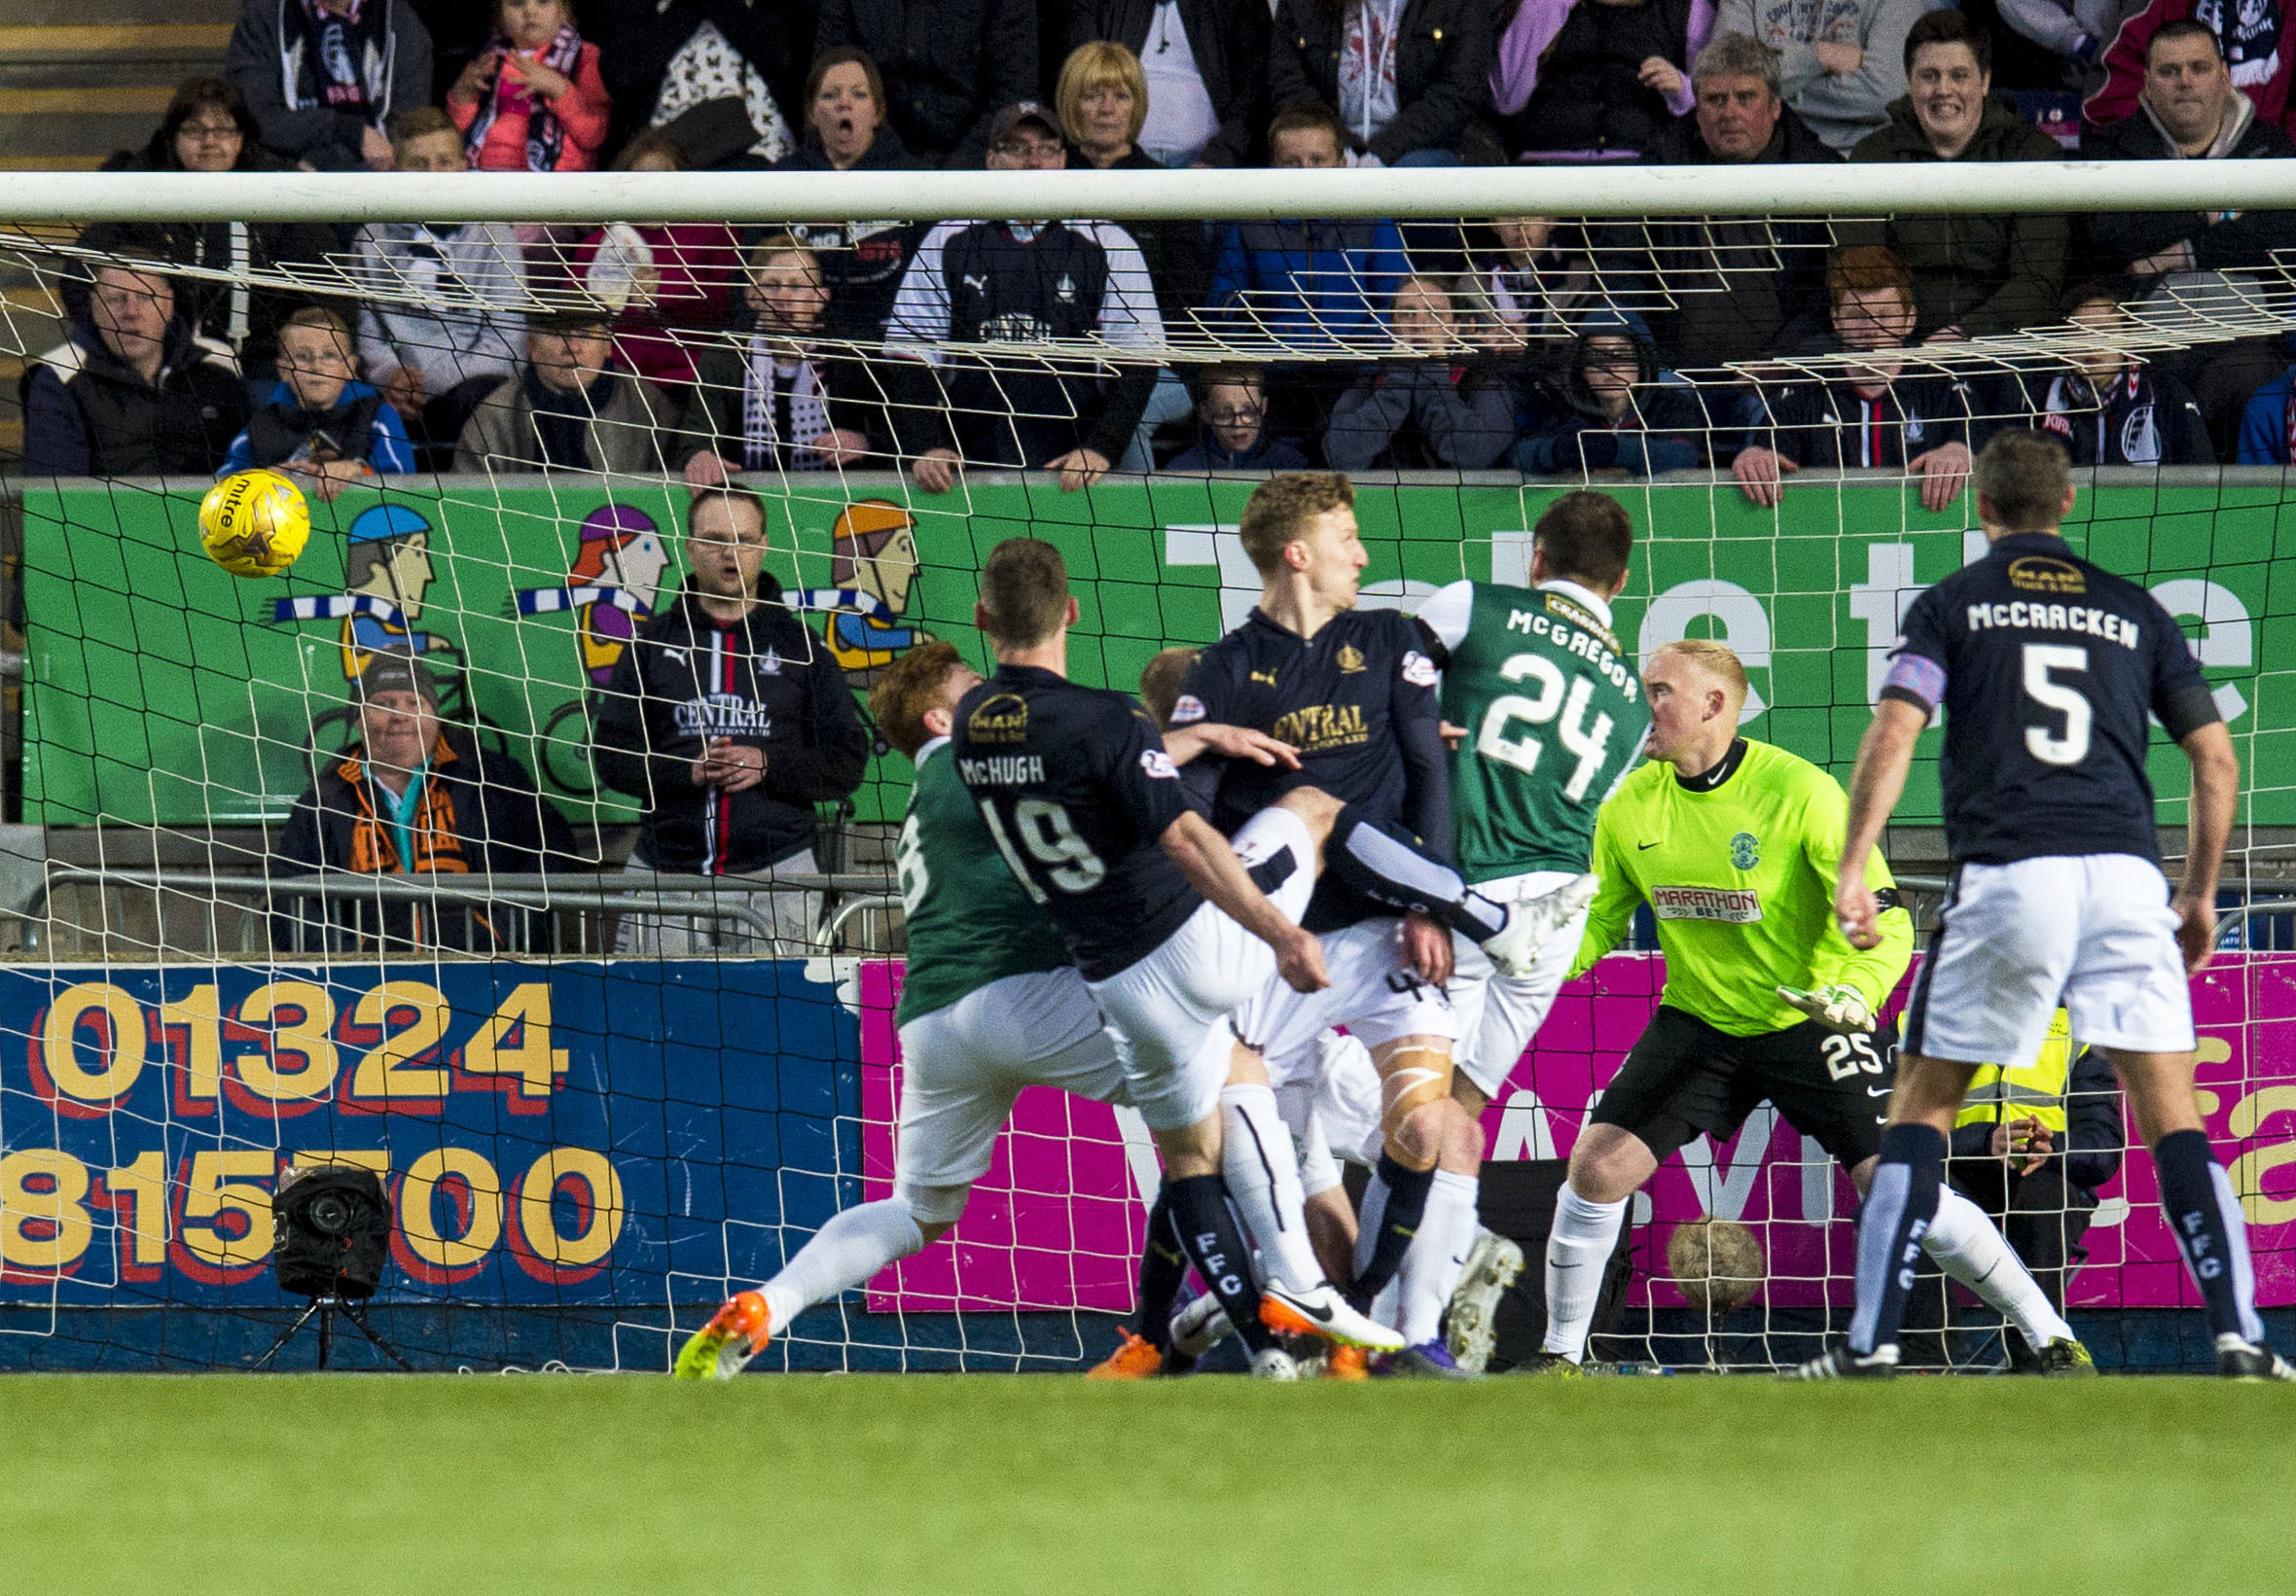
[[2187, 709], [1916, 680]]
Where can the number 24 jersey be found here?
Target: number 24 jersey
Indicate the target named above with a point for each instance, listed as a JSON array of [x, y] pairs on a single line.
[[2046, 668], [1077, 792]]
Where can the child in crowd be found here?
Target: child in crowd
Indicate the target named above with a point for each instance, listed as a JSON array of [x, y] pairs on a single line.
[[1614, 409], [1428, 410], [321, 422], [532, 101], [1231, 431]]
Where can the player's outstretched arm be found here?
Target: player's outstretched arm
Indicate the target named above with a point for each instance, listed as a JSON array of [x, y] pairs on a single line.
[[1883, 755], [1212, 868], [2216, 796], [1186, 744]]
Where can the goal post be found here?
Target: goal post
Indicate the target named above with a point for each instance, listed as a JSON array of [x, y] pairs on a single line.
[[588, 1140]]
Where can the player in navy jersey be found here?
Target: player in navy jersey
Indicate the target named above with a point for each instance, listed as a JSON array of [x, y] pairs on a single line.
[[1170, 926], [1353, 690], [2047, 668]]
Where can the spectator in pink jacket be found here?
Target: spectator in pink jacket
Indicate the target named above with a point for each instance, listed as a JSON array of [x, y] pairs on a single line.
[[666, 282], [2257, 40], [532, 101]]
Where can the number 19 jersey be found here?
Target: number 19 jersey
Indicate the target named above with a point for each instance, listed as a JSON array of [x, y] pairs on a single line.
[[970, 922], [1554, 718], [1077, 792]]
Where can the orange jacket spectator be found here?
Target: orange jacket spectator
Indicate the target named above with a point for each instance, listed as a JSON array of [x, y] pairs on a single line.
[[532, 100]]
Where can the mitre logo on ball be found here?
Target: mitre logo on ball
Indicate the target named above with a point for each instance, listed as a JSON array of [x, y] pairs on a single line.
[[254, 523]]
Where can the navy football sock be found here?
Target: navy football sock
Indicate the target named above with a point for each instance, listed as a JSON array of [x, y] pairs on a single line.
[[1215, 1243], [1388, 865], [1391, 1213], [2211, 1232], [1164, 1265], [1898, 1209]]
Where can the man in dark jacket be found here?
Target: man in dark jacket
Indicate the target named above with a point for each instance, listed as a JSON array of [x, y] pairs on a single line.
[[947, 65], [1740, 288], [1426, 90], [410, 799], [1016, 282], [1226, 48], [325, 77], [2031, 1147], [134, 392], [1614, 409], [729, 720], [1974, 274], [2189, 111]]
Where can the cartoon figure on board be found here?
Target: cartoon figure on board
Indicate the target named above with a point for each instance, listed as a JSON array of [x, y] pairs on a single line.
[[872, 562], [387, 570], [613, 583]]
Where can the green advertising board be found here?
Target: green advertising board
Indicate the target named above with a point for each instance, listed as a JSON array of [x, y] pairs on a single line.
[[161, 689]]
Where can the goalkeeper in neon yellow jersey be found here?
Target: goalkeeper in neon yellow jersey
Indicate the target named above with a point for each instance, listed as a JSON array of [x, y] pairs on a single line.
[[1733, 843]]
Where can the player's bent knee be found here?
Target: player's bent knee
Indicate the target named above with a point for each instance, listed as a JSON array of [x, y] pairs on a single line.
[[1415, 1089], [1317, 809], [935, 1208], [1609, 1164]]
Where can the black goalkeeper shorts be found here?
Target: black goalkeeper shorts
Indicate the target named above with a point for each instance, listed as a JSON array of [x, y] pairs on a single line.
[[1684, 1076]]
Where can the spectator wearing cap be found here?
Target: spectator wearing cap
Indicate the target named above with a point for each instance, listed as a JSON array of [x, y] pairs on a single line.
[[325, 78], [1205, 62], [727, 719], [567, 407], [1838, 62], [1614, 409], [135, 391], [1404, 77], [1578, 81], [1975, 275], [411, 798], [1014, 282], [948, 66], [861, 262], [1740, 288], [776, 401]]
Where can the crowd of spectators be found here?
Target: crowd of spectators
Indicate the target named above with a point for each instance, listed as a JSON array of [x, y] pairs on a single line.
[[1538, 343]]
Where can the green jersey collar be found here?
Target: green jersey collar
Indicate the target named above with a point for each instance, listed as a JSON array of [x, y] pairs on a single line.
[[1585, 598], [925, 753]]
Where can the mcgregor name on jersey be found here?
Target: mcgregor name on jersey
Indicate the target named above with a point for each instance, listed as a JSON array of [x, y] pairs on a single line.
[[1733, 905], [1586, 640]]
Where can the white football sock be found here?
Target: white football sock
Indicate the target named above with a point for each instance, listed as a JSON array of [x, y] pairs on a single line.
[[1262, 1170], [1579, 1245], [842, 1253], [1438, 1255], [1970, 1250]]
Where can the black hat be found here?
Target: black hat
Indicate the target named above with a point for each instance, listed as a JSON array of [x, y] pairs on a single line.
[[390, 671]]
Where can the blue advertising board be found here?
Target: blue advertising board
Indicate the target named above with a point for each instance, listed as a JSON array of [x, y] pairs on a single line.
[[583, 1133]]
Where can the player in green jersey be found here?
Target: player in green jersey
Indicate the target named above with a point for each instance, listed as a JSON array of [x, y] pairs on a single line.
[[1554, 720], [1735, 846], [989, 1003]]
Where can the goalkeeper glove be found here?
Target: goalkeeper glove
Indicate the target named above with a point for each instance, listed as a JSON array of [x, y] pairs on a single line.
[[1839, 1008]]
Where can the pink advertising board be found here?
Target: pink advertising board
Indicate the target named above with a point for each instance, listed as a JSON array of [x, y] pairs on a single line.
[[1057, 1222]]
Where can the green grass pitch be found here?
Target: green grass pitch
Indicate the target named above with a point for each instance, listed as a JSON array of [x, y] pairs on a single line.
[[443, 1486]]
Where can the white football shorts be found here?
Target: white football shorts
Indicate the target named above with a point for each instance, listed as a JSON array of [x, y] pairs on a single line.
[[1499, 1015], [1372, 993], [1169, 1011], [963, 1066], [2092, 932]]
